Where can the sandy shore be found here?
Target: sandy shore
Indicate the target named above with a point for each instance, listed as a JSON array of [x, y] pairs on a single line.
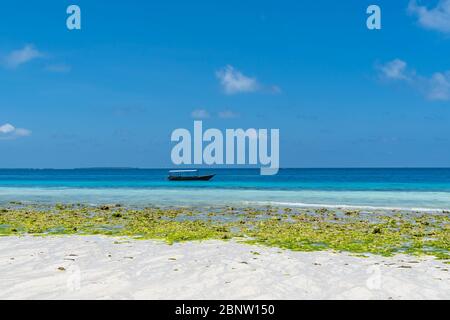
[[98, 267]]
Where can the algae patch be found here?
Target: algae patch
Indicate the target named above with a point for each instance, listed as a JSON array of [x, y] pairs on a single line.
[[383, 233]]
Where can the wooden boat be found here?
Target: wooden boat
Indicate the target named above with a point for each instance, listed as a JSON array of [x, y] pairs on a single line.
[[188, 175]]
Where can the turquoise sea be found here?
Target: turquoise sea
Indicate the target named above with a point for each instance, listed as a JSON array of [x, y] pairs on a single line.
[[417, 189]]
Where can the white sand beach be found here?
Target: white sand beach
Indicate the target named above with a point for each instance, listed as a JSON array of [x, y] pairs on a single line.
[[98, 267]]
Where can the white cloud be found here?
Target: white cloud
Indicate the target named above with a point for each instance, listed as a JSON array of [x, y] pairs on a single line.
[[20, 132], [18, 57], [200, 114], [233, 81], [58, 68], [395, 70], [275, 89], [439, 86], [435, 87], [8, 131], [7, 128], [437, 18], [228, 114]]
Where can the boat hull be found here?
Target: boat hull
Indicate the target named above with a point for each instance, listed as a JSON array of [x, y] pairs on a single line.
[[193, 178]]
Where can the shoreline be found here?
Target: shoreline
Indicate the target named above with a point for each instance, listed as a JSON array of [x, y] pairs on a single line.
[[100, 267], [201, 195]]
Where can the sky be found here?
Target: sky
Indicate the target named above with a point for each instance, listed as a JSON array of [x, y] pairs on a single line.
[[110, 94]]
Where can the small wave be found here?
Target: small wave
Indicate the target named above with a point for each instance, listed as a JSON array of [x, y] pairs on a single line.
[[340, 206], [406, 201]]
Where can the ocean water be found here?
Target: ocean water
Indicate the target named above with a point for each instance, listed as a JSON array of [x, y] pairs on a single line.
[[417, 189]]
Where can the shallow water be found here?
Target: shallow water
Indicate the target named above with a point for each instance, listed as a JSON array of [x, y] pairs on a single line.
[[417, 189]]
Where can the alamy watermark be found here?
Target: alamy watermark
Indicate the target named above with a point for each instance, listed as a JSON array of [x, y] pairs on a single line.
[[373, 282], [73, 21], [235, 147]]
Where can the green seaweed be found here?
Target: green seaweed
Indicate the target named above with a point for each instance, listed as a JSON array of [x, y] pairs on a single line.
[[383, 233]]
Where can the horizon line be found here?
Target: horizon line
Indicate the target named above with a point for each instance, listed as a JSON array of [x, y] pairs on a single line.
[[217, 168]]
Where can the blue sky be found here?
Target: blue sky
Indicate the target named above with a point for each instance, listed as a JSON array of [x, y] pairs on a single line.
[[111, 93]]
